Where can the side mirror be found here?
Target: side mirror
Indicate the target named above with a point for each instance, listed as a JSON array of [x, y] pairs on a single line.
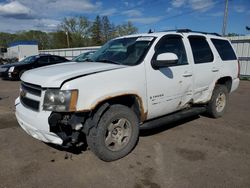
[[165, 60]]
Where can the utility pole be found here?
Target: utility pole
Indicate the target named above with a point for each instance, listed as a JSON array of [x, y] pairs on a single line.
[[67, 34], [225, 18]]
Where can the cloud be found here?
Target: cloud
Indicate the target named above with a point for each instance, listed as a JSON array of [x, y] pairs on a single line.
[[178, 3], [50, 8], [132, 13], [108, 12], [140, 2], [169, 9], [16, 10], [75, 5], [217, 14], [46, 24], [126, 3], [200, 5], [146, 20]]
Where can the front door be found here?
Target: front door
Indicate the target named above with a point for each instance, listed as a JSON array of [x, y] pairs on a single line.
[[169, 89]]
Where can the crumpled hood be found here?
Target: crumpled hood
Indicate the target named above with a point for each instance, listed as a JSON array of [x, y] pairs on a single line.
[[53, 76]]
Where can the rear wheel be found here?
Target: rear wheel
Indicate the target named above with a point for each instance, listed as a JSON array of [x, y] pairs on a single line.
[[116, 133], [217, 105]]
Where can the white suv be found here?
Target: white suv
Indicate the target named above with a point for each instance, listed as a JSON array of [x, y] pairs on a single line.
[[142, 80]]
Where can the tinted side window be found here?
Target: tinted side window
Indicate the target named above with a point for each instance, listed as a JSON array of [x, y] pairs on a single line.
[[56, 59], [201, 50], [43, 60], [224, 49], [174, 45]]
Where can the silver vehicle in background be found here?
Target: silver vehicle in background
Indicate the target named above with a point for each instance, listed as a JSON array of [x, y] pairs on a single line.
[[83, 56]]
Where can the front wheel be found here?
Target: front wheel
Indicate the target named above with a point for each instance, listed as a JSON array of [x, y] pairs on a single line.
[[116, 133], [217, 105]]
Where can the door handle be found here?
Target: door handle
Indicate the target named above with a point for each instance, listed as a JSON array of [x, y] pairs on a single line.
[[214, 69], [187, 74]]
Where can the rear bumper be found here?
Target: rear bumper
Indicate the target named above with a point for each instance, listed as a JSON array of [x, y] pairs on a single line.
[[36, 124], [235, 84]]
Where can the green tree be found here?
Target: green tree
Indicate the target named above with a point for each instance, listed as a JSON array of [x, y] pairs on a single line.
[[126, 29], [39, 36], [96, 33], [233, 34], [58, 39], [6, 39], [106, 29], [78, 29]]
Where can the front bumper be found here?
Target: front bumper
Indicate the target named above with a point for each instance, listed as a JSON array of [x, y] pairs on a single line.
[[36, 124], [4, 74], [9, 75]]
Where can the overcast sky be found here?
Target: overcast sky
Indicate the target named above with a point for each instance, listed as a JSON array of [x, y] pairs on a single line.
[[203, 15]]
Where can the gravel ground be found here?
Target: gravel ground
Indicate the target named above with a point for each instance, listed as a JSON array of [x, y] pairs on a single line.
[[197, 152]]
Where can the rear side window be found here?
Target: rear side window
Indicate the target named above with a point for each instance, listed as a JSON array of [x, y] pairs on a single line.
[[224, 49], [56, 59], [43, 60], [201, 50]]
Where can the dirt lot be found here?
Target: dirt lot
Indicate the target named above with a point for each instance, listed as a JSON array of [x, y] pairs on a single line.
[[199, 152]]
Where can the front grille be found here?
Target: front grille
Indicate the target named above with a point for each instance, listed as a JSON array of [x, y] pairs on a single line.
[[31, 88], [28, 93], [30, 103]]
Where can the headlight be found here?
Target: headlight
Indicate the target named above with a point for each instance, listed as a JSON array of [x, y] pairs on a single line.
[[60, 100], [11, 69]]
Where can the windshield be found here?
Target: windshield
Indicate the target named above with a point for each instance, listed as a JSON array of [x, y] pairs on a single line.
[[124, 51], [29, 59], [83, 57]]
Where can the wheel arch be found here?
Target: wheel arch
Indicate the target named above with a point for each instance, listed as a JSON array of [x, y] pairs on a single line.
[[132, 101], [227, 81]]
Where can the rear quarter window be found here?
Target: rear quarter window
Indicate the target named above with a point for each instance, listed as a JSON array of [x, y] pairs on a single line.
[[224, 49], [201, 50]]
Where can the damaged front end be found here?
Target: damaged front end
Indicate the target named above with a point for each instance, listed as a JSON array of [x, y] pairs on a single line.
[[73, 128], [69, 127]]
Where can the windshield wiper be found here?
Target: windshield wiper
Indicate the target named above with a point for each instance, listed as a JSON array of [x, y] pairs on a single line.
[[108, 61]]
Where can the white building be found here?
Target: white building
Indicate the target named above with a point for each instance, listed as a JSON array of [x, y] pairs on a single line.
[[22, 49]]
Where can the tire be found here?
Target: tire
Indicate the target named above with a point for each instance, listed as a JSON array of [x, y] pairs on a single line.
[[217, 105], [116, 134]]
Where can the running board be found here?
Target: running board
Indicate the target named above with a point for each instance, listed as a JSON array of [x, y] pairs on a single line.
[[156, 123]]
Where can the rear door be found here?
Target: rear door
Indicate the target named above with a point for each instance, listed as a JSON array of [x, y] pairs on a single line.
[[205, 68], [170, 88]]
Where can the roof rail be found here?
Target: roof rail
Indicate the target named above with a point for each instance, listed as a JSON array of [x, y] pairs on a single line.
[[189, 30], [183, 30]]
